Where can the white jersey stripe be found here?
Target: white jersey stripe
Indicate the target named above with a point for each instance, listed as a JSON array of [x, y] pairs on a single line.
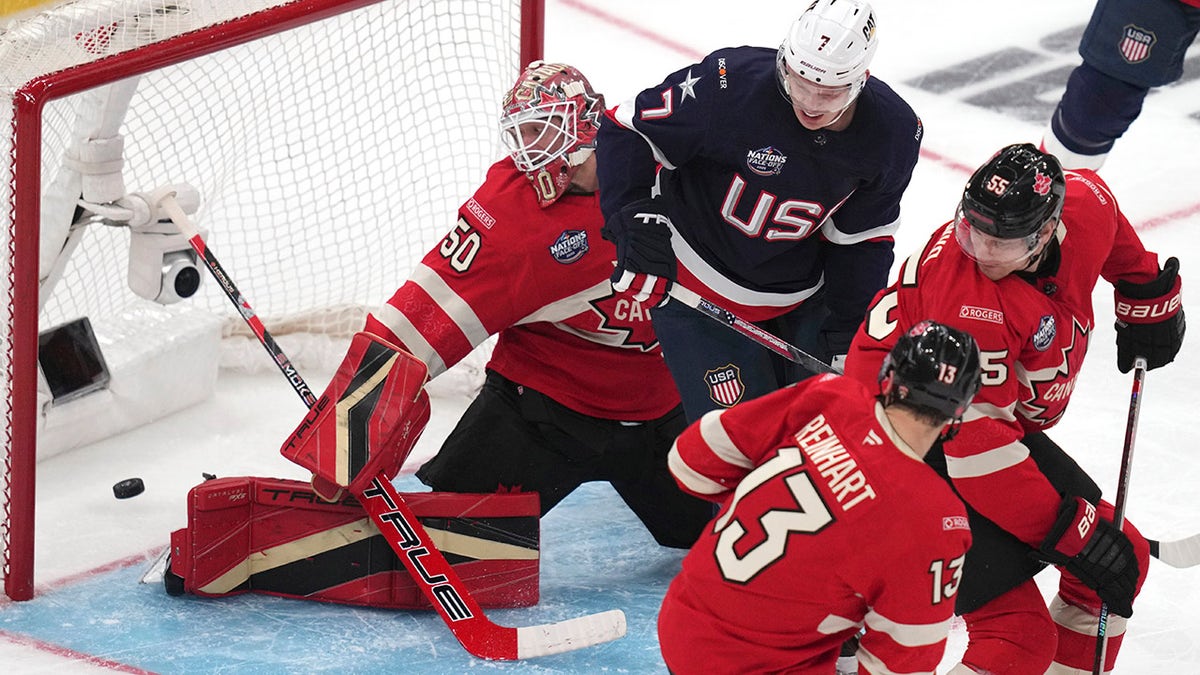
[[710, 277], [908, 634], [411, 337], [459, 311], [989, 462], [713, 433], [692, 479], [624, 114]]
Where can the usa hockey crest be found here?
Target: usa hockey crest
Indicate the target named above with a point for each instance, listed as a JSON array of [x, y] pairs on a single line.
[[766, 161], [725, 384], [570, 246], [1136, 43]]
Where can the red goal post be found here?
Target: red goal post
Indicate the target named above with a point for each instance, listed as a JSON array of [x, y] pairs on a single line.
[[329, 142]]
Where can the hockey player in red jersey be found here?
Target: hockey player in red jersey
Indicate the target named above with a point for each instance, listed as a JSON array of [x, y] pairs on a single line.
[[576, 388], [1017, 268], [805, 476]]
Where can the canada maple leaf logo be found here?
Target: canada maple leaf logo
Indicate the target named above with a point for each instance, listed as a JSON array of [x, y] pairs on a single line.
[[1041, 183], [620, 314]]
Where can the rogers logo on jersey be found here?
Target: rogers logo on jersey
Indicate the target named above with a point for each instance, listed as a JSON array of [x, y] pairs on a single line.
[[486, 219], [766, 161], [570, 246], [981, 314], [955, 523]]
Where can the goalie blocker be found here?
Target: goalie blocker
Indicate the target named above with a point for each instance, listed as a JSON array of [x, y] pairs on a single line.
[[367, 420], [277, 537]]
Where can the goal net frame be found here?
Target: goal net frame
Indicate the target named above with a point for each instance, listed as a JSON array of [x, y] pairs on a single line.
[[19, 401]]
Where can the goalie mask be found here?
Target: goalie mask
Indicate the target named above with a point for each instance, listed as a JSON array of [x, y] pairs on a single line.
[[549, 124], [933, 368], [822, 63]]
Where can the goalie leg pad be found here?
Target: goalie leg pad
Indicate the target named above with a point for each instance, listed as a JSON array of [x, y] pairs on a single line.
[[277, 537], [367, 420]]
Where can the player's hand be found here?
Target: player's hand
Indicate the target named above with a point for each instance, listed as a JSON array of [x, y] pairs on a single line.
[[645, 261], [1096, 552], [1150, 319]]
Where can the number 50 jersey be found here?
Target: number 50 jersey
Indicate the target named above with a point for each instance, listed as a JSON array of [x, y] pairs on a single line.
[[829, 522]]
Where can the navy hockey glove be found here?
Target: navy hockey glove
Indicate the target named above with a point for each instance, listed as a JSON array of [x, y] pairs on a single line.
[[645, 261], [1150, 319], [1095, 551]]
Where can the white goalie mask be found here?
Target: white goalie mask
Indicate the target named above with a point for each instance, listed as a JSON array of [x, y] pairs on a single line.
[[831, 46], [551, 116]]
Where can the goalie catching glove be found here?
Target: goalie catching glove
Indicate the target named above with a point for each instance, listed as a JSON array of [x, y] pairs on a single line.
[[1095, 551], [1150, 319], [367, 420], [645, 260]]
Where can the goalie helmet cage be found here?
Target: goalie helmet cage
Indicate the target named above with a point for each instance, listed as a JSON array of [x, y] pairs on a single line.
[[330, 141]]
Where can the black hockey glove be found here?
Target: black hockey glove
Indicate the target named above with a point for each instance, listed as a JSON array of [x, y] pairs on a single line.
[[1150, 319], [1095, 551], [645, 261]]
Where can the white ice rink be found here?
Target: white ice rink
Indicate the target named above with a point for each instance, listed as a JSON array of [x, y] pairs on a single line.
[[981, 75]]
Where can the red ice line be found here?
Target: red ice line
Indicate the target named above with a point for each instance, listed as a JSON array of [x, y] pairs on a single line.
[[66, 652], [694, 55]]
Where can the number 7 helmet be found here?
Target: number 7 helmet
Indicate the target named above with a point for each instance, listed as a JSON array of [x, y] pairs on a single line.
[[933, 368], [549, 124]]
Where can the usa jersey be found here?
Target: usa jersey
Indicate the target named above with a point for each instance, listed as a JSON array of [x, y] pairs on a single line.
[[761, 206], [539, 278], [829, 522], [1032, 333]]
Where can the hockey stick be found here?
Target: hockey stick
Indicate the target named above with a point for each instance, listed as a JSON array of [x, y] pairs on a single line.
[[1135, 406], [407, 537], [749, 330], [1179, 553]]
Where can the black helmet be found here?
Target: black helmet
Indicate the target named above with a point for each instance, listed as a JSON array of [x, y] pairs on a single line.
[[932, 366], [1015, 193]]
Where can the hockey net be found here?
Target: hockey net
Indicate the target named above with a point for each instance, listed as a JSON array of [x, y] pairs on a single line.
[[329, 142]]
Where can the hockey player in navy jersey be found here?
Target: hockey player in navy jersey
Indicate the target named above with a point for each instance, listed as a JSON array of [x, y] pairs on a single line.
[[769, 182]]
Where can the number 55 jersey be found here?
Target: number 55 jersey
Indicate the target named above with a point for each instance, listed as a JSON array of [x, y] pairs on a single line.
[[829, 522]]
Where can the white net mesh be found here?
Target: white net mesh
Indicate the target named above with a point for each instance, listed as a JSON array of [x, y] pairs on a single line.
[[328, 157]]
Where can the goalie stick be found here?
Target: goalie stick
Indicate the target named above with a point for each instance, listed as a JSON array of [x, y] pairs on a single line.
[[750, 330], [408, 538]]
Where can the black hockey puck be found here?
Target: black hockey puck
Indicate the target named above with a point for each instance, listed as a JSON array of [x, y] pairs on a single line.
[[130, 487]]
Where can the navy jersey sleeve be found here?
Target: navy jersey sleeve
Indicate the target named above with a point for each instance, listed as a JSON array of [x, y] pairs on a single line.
[[666, 124], [859, 234]]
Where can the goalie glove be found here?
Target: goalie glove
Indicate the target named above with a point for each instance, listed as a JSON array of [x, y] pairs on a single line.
[[1150, 320], [367, 420], [645, 260], [1095, 551]]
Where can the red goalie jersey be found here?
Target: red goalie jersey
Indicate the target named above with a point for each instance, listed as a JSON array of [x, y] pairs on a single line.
[[1032, 335], [830, 522], [540, 278]]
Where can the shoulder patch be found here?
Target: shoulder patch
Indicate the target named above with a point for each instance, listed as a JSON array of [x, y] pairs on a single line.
[[570, 246], [1044, 336]]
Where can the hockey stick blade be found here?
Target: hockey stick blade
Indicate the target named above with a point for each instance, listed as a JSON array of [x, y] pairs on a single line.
[[1180, 553], [440, 584], [750, 330]]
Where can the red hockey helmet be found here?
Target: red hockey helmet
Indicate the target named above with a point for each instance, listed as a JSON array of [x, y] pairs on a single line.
[[549, 124]]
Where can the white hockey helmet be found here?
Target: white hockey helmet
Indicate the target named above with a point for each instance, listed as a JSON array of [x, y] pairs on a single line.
[[830, 45]]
